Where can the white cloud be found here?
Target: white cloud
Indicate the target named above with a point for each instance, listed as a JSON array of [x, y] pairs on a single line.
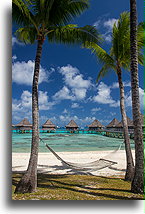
[[75, 105], [75, 85], [15, 41], [14, 57], [94, 110], [63, 120], [82, 122], [127, 84], [23, 106], [116, 84], [106, 24], [63, 94], [141, 94], [110, 23], [20, 111], [16, 105], [79, 93], [66, 119], [128, 98], [22, 73], [107, 37], [104, 95], [44, 104], [115, 104], [26, 99], [97, 23], [73, 78]]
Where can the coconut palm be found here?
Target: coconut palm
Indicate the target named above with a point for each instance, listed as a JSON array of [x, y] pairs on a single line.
[[37, 20], [138, 180], [117, 60]]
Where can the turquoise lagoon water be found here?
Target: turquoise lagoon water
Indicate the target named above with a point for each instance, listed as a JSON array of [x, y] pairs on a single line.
[[66, 142]]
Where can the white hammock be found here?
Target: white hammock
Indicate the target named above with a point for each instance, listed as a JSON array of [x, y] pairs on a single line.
[[92, 166]]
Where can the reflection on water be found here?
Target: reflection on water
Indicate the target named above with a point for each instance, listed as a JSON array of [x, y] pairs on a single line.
[[66, 142]]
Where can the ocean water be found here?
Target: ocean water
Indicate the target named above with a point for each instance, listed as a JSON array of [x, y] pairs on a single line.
[[66, 142]]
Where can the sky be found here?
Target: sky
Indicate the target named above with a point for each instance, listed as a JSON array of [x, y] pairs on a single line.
[[67, 85]]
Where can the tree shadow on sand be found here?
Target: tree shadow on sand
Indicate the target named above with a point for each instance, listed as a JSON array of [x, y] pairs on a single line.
[[48, 181]]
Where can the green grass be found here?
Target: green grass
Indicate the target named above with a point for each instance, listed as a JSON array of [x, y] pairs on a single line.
[[77, 187]]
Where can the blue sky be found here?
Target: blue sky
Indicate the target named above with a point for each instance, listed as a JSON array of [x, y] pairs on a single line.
[[67, 88]]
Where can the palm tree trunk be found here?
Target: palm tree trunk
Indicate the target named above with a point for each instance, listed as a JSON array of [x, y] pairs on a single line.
[[138, 180], [28, 182], [129, 159]]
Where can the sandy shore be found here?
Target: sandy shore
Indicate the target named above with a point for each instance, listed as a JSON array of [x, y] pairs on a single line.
[[48, 163]]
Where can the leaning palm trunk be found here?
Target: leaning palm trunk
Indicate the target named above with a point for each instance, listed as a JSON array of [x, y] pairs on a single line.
[[28, 182], [129, 159], [138, 180]]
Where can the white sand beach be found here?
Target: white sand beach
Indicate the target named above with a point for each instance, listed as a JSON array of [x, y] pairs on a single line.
[[48, 163]]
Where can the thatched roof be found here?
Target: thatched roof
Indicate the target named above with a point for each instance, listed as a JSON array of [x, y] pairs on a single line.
[[95, 124], [24, 123], [13, 127], [72, 124], [48, 124], [113, 123], [129, 122]]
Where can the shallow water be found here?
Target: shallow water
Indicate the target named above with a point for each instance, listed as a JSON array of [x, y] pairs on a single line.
[[66, 142]]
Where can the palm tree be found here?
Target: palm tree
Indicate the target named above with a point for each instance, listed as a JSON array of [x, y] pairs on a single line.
[[36, 21], [138, 180], [116, 60]]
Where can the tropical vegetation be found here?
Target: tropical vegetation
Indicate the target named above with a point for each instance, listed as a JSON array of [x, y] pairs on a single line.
[[37, 20], [118, 60]]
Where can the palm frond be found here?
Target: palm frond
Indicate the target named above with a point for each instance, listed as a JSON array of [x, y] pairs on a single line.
[[20, 12], [121, 36], [63, 12], [58, 12], [101, 54], [27, 35], [104, 58], [42, 10], [72, 34], [105, 70]]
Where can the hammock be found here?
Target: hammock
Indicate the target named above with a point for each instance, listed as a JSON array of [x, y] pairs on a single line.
[[92, 166]]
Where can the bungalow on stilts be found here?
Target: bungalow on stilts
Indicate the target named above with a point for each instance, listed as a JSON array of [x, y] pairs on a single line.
[[24, 126], [48, 126], [72, 126]]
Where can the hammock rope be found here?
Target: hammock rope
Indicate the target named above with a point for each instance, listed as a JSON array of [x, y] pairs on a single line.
[[91, 166]]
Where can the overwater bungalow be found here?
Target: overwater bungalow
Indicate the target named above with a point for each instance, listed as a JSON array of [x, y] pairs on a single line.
[[119, 126], [13, 127], [72, 126], [24, 126], [112, 125], [48, 126], [95, 125]]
